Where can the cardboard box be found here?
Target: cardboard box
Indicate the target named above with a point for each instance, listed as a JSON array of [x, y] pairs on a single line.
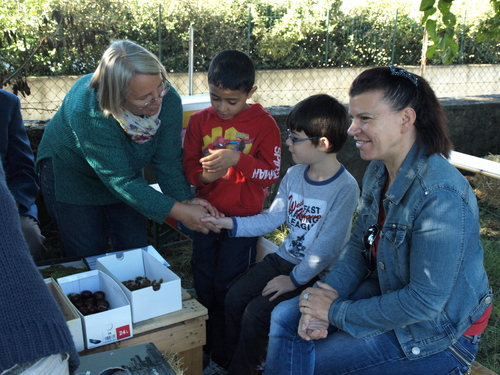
[[145, 303], [70, 313], [139, 359], [92, 261], [190, 105], [108, 326]]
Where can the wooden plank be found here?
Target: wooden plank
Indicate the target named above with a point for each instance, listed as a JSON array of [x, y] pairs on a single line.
[[192, 361], [478, 369], [191, 309], [475, 164]]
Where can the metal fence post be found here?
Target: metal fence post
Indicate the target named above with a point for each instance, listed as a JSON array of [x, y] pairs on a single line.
[[327, 36], [249, 31], [159, 32], [394, 37], [191, 59], [462, 42]]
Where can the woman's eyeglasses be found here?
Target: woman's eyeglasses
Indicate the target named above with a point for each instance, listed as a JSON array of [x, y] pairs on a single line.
[[369, 238], [295, 140], [152, 101]]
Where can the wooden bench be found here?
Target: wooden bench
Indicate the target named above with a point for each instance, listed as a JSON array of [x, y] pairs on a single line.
[[479, 369], [475, 164]]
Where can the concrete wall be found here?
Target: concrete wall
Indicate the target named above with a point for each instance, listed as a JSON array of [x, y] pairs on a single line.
[[286, 87]]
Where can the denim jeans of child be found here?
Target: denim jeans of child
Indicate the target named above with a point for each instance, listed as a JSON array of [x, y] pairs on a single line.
[[84, 230], [340, 353]]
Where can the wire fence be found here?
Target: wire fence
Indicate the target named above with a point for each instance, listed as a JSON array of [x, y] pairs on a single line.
[[290, 69]]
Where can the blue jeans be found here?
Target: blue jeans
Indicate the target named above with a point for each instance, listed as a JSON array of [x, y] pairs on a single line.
[[340, 353], [84, 230]]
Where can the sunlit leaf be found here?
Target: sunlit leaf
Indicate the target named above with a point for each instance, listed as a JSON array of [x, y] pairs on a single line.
[[426, 4]]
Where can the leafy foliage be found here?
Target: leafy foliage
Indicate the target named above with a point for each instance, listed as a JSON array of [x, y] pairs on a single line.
[[56, 37], [443, 33]]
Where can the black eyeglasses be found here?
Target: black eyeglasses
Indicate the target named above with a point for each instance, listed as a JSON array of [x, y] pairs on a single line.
[[295, 140], [369, 238]]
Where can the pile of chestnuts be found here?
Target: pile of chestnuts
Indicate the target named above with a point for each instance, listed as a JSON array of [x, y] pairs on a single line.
[[142, 282], [89, 303]]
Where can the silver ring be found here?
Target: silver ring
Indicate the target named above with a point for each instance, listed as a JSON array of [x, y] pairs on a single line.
[[306, 296]]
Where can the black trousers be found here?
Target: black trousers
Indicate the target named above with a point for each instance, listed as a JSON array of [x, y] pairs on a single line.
[[216, 261], [248, 313]]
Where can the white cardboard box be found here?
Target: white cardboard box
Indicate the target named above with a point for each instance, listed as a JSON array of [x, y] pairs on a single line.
[[70, 313], [146, 303], [92, 261], [108, 326], [190, 105]]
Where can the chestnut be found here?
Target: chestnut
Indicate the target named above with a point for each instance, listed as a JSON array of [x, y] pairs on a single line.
[[102, 305], [74, 297], [83, 310], [86, 294], [99, 295]]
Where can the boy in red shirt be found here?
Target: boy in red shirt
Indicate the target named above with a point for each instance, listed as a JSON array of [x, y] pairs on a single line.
[[232, 154]]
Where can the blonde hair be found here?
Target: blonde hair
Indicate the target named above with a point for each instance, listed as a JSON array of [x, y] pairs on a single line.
[[120, 62]]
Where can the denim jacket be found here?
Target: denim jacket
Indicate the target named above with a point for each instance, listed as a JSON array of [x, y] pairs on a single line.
[[430, 259]]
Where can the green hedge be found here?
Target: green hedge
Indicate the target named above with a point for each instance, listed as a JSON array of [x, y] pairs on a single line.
[[53, 37]]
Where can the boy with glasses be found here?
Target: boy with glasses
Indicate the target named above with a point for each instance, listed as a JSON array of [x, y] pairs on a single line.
[[316, 198]]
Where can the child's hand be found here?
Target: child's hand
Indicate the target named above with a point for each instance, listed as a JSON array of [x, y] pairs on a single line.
[[221, 223], [279, 285], [218, 160], [311, 328], [208, 177]]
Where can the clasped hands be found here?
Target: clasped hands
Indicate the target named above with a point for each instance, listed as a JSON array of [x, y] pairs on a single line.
[[314, 304]]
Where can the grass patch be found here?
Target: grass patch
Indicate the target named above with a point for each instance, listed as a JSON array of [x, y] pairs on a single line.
[[489, 348]]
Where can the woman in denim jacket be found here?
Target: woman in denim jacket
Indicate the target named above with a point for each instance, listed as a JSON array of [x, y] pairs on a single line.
[[409, 294]]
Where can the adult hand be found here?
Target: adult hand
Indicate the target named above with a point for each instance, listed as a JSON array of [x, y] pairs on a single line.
[[314, 305], [218, 160], [318, 300], [204, 203], [190, 215], [278, 285]]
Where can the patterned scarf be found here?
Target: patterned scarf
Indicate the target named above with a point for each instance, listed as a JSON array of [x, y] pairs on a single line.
[[139, 129]]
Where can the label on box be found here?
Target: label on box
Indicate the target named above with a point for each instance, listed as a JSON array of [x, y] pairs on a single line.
[[123, 332]]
